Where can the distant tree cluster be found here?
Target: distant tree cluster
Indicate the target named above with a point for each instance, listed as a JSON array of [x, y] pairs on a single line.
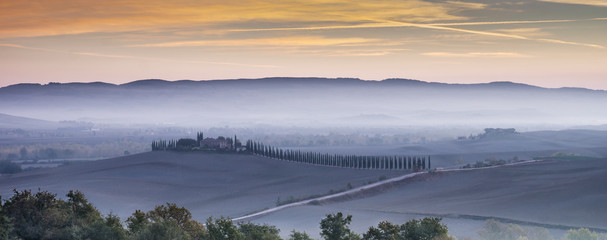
[[9, 167], [324, 159], [163, 145], [189, 144], [491, 162], [41, 215], [337, 160], [490, 132], [183, 144], [494, 230]]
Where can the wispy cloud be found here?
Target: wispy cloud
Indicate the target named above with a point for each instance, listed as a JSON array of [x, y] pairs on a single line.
[[477, 55], [103, 55], [510, 22], [280, 41], [56, 17], [597, 3], [467, 5], [493, 34], [384, 23], [333, 52], [571, 43], [527, 32]]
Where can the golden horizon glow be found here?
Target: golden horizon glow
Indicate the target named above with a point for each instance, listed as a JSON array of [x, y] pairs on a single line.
[[543, 42]]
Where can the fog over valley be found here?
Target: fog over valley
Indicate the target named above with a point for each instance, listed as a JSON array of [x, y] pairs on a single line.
[[303, 120], [488, 161], [308, 102]]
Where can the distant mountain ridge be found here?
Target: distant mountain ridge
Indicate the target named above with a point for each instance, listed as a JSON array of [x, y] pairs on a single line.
[[306, 102], [282, 80]]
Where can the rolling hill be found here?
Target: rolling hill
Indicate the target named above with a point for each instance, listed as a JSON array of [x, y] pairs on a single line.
[[553, 194], [208, 184]]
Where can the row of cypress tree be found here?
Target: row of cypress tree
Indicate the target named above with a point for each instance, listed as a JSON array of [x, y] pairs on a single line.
[[162, 145], [338, 160]]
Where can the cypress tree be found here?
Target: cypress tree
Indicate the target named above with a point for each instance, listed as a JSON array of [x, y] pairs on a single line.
[[413, 163], [384, 162], [199, 137], [423, 162], [373, 163]]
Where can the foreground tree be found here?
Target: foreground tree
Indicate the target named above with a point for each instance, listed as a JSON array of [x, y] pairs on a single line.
[[110, 228], [335, 227], [43, 216], [251, 231], [295, 235], [581, 234], [5, 225], [425, 229], [384, 231], [165, 222], [223, 229], [494, 230]]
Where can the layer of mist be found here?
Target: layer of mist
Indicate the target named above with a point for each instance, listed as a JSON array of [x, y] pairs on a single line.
[[308, 102]]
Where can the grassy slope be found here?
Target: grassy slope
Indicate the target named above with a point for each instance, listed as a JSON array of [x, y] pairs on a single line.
[[524, 146], [571, 193], [206, 183]]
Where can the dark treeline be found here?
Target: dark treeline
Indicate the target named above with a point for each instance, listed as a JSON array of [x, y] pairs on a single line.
[[9, 167], [35, 216], [189, 144], [324, 159], [338, 160]]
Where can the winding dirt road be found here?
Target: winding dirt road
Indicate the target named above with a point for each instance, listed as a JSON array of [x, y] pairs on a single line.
[[364, 188]]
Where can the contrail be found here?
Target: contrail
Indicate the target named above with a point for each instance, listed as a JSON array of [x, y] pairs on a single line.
[[385, 23], [92, 54]]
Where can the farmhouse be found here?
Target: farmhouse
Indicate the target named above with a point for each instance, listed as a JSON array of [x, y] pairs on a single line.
[[219, 143]]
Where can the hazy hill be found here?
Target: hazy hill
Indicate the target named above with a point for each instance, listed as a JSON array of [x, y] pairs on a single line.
[[564, 193], [525, 145], [9, 121], [569, 193], [208, 184], [307, 102]]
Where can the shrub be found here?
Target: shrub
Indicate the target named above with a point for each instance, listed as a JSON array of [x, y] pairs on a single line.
[[9, 167]]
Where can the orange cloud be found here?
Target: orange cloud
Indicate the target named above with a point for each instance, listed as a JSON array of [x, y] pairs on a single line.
[[56, 17], [477, 54], [597, 3], [282, 41]]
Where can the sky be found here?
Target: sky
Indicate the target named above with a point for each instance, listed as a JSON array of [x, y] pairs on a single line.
[[549, 43]]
